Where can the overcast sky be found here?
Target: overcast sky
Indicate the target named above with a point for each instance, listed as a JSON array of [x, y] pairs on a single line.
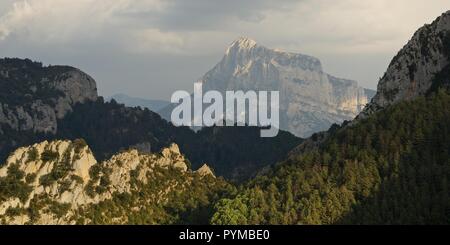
[[149, 48]]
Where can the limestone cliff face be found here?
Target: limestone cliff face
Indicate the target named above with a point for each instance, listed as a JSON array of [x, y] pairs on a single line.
[[310, 99], [33, 97], [413, 70], [55, 181], [420, 67]]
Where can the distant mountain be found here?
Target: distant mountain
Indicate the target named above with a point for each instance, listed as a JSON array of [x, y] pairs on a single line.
[[389, 166], [40, 103], [310, 99], [420, 68], [153, 105]]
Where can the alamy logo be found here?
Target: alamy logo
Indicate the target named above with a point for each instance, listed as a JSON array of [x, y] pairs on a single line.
[[241, 108]]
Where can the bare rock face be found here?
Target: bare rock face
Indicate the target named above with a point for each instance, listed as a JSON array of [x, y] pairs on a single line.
[[413, 70], [205, 170], [33, 97], [310, 99], [420, 67], [172, 156], [78, 87], [55, 180]]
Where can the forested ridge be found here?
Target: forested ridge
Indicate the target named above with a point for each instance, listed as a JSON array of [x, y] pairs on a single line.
[[391, 165], [235, 153], [391, 168]]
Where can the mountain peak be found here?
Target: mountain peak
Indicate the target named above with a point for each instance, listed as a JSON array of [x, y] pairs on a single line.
[[205, 170], [419, 67], [245, 41], [299, 78], [242, 43], [48, 91]]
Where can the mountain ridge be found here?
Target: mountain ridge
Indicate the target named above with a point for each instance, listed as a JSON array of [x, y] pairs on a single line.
[[388, 166], [33, 96], [310, 99], [412, 71], [130, 101], [60, 182], [65, 105]]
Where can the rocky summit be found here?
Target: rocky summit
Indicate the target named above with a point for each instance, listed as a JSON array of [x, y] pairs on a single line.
[[33, 97], [421, 66], [58, 182], [310, 99]]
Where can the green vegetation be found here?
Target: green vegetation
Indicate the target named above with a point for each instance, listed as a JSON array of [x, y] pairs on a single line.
[[25, 77], [90, 189], [231, 212], [30, 178], [33, 155], [392, 168], [215, 145], [12, 212], [442, 78], [59, 209], [188, 200], [98, 174], [12, 185], [64, 185], [60, 169], [42, 203], [49, 156], [79, 144], [94, 171], [27, 82], [77, 179]]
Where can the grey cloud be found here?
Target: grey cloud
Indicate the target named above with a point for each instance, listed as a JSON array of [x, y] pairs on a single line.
[[150, 48], [206, 14]]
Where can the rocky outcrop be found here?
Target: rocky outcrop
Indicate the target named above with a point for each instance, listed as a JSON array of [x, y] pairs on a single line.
[[34, 97], [77, 87], [153, 105], [53, 181], [416, 67], [205, 170], [310, 99], [420, 67]]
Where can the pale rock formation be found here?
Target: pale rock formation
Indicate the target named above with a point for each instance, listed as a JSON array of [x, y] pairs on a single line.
[[40, 113], [205, 170], [412, 71], [310, 99], [77, 171]]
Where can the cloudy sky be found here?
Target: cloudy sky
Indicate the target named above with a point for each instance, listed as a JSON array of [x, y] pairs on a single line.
[[149, 48]]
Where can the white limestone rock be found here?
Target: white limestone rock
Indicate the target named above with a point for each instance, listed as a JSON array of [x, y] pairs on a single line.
[[205, 170], [310, 99], [72, 186], [411, 72]]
